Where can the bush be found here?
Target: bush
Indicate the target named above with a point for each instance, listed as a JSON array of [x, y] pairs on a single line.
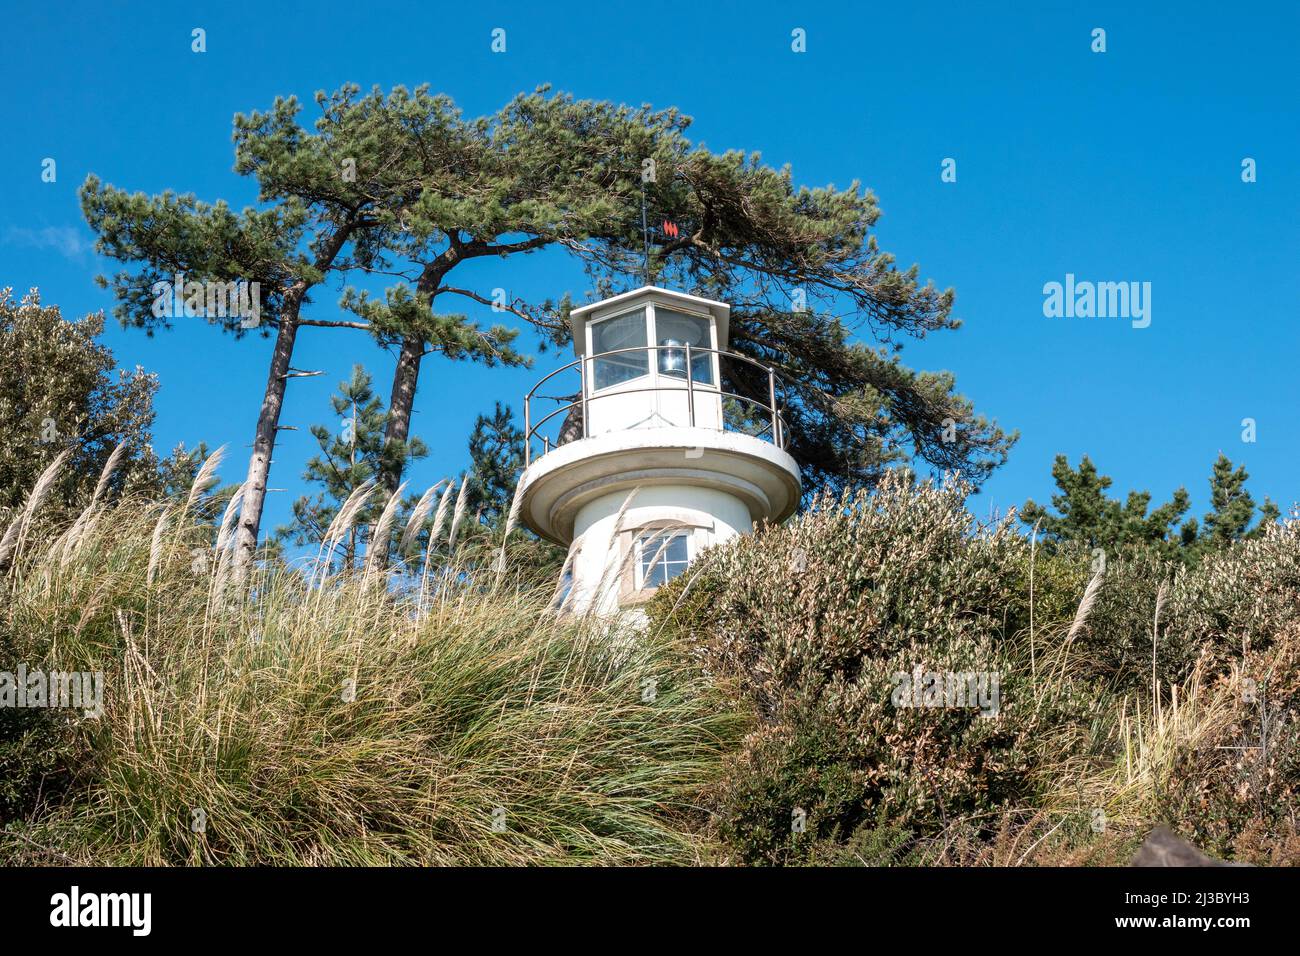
[[37, 749], [1242, 598], [812, 625], [1236, 793], [766, 714]]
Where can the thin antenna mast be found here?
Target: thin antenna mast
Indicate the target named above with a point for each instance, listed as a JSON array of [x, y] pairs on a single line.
[[645, 235]]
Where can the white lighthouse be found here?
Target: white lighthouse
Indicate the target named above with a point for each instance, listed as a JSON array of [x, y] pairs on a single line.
[[648, 407]]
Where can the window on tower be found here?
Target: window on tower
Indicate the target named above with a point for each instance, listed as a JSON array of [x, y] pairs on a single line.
[[661, 556]]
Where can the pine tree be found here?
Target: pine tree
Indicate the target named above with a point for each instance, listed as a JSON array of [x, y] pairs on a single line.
[[789, 259], [1233, 507], [496, 451], [1087, 517], [402, 184], [349, 457], [332, 200], [176, 476]]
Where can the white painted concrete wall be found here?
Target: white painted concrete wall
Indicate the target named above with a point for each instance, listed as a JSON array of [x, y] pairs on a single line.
[[599, 562]]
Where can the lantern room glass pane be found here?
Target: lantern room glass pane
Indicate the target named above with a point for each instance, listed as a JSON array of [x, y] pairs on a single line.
[[675, 330], [621, 332]]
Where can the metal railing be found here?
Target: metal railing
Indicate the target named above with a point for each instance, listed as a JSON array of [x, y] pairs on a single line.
[[773, 426]]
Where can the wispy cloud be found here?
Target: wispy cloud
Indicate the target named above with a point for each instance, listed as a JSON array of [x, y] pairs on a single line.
[[65, 240]]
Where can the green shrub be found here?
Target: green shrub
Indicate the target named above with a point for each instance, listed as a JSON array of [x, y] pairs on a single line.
[[759, 718], [809, 625], [37, 749], [1242, 598], [812, 625]]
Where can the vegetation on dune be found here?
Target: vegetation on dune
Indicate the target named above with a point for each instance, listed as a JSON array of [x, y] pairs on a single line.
[[438, 713], [453, 723], [1137, 692]]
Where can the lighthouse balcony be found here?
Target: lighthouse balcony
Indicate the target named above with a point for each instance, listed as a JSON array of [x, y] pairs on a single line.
[[670, 415], [667, 386]]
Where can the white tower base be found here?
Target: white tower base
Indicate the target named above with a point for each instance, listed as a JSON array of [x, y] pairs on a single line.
[[608, 549], [706, 485]]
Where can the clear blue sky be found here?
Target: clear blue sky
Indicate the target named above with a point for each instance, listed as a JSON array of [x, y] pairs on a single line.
[[1122, 166]]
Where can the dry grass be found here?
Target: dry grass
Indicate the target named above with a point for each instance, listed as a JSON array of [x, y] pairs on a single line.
[[310, 719]]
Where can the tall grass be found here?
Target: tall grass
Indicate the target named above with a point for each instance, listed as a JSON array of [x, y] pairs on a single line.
[[308, 719]]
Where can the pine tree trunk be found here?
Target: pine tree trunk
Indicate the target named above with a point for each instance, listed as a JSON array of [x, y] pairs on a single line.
[[398, 428], [405, 379], [400, 405], [268, 422]]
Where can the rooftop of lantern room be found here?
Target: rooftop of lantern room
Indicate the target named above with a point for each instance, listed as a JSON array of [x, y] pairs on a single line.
[[626, 301]]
